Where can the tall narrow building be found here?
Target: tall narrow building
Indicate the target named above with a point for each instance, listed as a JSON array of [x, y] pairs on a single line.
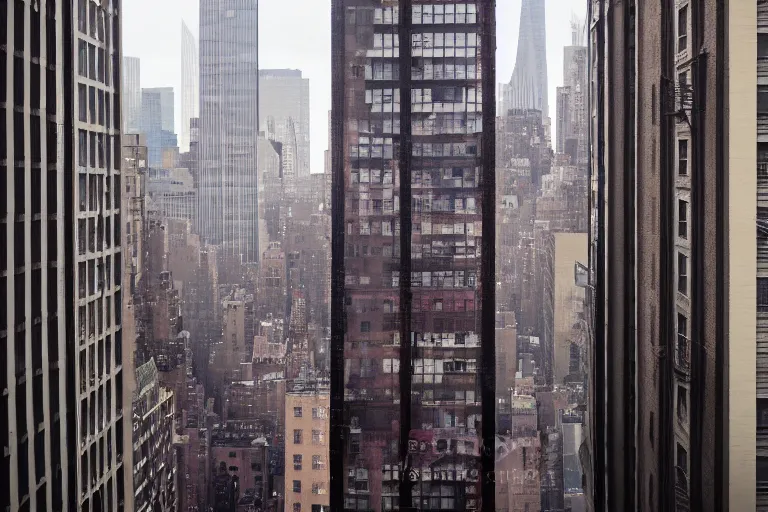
[[190, 82], [229, 127], [677, 123], [413, 322], [528, 87], [131, 95], [61, 417]]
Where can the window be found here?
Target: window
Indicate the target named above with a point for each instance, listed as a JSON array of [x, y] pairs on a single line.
[[682, 273], [682, 218], [297, 507], [682, 157], [762, 100], [365, 326], [297, 436], [317, 462], [762, 46], [682, 29], [682, 403], [232, 455], [319, 413], [762, 293], [297, 412], [682, 458], [297, 462], [296, 486]]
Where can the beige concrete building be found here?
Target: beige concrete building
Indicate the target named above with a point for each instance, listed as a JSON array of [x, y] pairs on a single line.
[[307, 476], [568, 300]]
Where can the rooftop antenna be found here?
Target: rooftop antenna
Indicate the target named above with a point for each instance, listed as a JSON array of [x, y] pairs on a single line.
[[578, 30]]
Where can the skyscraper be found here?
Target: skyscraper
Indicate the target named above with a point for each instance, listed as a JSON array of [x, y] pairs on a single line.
[[131, 95], [528, 87], [61, 410], [284, 97], [413, 255], [190, 81], [157, 122], [229, 127]]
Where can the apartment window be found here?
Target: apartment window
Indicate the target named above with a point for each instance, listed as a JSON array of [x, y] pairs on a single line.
[[297, 438], [297, 412], [365, 326], [682, 403], [297, 507], [318, 437], [682, 157], [682, 218], [297, 462], [232, 455], [682, 28], [319, 413], [317, 462], [682, 273], [296, 486]]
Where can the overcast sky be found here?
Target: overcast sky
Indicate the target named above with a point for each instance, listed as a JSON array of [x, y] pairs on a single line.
[[297, 34]]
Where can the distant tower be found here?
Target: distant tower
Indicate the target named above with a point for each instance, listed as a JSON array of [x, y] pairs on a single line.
[[229, 127], [528, 87], [190, 79]]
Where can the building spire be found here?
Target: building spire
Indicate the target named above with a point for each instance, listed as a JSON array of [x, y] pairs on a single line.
[[528, 87]]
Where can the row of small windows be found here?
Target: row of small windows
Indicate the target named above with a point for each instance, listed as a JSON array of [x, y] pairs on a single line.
[[444, 14], [445, 40], [439, 279], [429, 14], [317, 463]]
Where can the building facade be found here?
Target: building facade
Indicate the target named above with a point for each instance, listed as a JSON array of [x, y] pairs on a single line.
[[307, 474], [674, 262], [412, 284], [229, 127]]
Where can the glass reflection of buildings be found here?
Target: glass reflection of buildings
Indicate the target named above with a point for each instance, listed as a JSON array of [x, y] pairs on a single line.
[[428, 294]]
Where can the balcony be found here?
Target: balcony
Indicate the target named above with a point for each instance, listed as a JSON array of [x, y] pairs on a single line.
[[683, 357]]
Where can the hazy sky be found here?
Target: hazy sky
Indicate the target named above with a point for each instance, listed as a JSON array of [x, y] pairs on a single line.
[[297, 34]]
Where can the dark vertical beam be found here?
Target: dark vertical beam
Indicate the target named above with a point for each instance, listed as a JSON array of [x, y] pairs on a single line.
[[406, 295], [698, 254], [630, 250], [667, 332], [336, 444], [487, 13], [72, 406], [721, 338]]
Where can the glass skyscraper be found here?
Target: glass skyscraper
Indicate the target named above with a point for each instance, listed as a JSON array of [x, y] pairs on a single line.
[[229, 126]]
